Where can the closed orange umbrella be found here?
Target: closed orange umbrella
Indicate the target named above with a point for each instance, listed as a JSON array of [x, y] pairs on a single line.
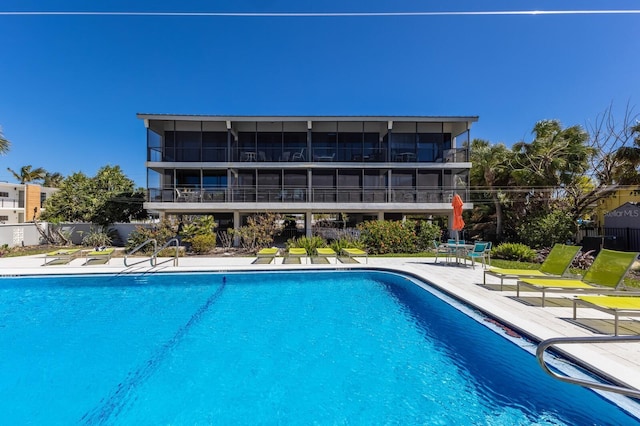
[[458, 223]]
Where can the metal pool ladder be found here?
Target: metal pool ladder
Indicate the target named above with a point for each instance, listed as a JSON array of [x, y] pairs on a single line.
[[154, 257], [545, 344]]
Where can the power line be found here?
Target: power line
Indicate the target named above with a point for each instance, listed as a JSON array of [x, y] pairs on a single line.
[[325, 14]]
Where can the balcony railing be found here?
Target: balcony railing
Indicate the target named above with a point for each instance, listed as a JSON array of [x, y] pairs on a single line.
[[318, 154], [11, 203], [252, 194]]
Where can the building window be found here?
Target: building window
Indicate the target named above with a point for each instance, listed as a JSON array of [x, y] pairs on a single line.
[[4, 194], [4, 218]]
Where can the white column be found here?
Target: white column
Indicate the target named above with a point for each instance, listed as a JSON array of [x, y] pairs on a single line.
[[307, 224], [236, 226]]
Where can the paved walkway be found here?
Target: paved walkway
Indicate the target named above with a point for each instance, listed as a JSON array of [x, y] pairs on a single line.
[[616, 360]]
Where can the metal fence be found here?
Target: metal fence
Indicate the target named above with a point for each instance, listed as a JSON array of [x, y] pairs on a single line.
[[623, 239]]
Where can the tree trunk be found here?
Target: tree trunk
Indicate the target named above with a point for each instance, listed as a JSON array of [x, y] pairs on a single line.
[[498, 206]]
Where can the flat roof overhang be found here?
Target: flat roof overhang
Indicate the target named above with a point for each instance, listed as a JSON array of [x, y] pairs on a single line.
[[273, 118]]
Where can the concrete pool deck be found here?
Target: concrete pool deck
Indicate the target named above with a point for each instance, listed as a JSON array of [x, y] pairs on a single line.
[[619, 361]]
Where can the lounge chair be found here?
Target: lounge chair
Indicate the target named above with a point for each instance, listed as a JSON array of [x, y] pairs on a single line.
[[297, 253], [628, 306], [266, 255], [99, 255], [356, 252], [326, 253], [479, 251], [554, 266], [605, 275], [61, 257]]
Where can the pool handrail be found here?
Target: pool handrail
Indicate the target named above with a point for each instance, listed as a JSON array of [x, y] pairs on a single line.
[[140, 246], [542, 347], [154, 256]]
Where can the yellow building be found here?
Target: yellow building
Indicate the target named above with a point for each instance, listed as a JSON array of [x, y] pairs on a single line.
[[615, 200]]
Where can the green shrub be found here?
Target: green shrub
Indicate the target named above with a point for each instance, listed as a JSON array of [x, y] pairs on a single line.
[[427, 233], [514, 251], [310, 244], [96, 238], [385, 236], [201, 225], [259, 231], [347, 241], [203, 243], [5, 250], [162, 233]]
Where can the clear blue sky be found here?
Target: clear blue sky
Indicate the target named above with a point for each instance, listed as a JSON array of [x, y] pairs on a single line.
[[70, 86]]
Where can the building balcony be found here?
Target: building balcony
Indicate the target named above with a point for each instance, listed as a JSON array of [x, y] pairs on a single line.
[[208, 197], [321, 154]]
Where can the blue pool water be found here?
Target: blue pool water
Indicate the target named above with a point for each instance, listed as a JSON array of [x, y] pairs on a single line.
[[279, 348]]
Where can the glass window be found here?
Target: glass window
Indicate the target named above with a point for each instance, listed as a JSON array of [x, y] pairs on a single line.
[[403, 179], [324, 144], [349, 178], [375, 179], [188, 146], [269, 146], [350, 146], [214, 178], [154, 146], [214, 146], [295, 178], [269, 178], [403, 147], [188, 178], [323, 179], [169, 146], [374, 149], [428, 179]]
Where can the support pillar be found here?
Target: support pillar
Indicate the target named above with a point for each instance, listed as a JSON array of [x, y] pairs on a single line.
[[307, 224], [236, 226]]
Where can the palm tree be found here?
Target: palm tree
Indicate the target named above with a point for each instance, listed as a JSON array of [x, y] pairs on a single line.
[[626, 172], [4, 143], [490, 169], [27, 175], [52, 180]]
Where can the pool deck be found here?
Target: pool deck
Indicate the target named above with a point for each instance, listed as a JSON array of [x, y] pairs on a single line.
[[619, 361]]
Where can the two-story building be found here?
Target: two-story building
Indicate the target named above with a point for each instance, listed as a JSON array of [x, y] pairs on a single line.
[[19, 202], [368, 167]]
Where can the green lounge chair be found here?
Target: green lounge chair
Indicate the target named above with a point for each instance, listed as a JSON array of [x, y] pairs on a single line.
[[356, 252], [61, 257], [99, 255], [605, 275], [555, 265], [628, 306], [297, 253], [266, 255], [327, 252]]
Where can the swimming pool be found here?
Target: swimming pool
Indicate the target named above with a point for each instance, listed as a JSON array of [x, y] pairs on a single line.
[[314, 347]]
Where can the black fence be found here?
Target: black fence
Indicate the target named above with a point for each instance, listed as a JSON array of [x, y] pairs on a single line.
[[623, 239]]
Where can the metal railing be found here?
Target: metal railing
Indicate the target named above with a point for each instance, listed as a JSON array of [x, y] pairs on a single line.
[[138, 248], [153, 259], [262, 194], [544, 345], [154, 256]]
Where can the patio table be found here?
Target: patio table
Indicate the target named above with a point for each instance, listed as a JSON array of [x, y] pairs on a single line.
[[459, 250]]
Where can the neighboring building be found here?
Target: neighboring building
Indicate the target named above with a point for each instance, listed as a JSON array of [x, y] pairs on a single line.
[[367, 167], [615, 200], [19, 202]]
